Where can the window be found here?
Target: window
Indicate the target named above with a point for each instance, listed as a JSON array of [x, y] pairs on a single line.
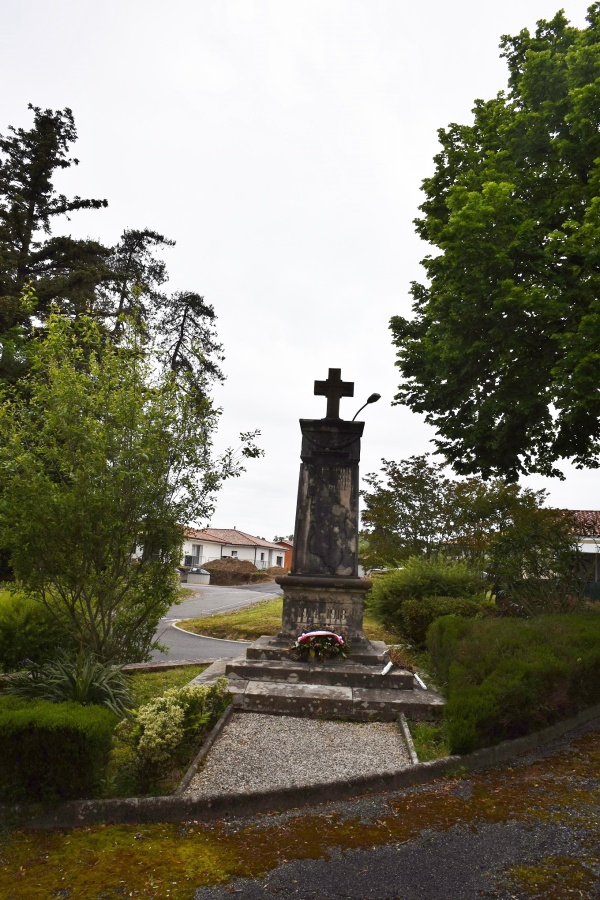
[[279, 561], [234, 552], [262, 556]]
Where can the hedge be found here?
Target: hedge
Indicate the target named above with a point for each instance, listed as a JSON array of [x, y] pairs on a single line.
[[421, 577], [418, 615], [52, 751], [27, 632], [509, 677]]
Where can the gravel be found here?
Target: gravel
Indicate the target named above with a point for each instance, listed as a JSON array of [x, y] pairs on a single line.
[[263, 752]]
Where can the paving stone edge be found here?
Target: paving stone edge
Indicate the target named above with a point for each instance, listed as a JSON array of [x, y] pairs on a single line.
[[177, 808]]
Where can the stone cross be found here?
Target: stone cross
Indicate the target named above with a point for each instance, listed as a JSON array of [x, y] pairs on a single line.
[[334, 389]]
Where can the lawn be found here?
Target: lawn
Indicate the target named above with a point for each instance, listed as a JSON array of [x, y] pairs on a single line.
[[145, 686], [264, 617]]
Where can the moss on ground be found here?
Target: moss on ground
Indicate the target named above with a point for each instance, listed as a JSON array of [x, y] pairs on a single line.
[[160, 861]]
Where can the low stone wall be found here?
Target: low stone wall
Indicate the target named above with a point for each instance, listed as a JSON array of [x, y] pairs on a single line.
[[142, 810]]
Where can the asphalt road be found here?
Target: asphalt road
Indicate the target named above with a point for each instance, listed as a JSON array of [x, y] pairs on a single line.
[[205, 601]]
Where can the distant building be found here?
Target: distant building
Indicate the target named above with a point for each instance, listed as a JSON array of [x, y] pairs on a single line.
[[288, 548], [202, 546], [587, 528]]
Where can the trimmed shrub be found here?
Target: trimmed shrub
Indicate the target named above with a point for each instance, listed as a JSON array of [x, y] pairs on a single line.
[[418, 615], [510, 677], [52, 751], [421, 577], [27, 632]]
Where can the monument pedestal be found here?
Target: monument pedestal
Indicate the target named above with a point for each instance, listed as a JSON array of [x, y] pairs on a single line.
[[313, 601]]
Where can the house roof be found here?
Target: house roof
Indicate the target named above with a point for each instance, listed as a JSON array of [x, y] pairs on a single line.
[[586, 521], [229, 536]]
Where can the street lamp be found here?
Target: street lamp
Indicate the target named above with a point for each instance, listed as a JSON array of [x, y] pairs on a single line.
[[372, 399]]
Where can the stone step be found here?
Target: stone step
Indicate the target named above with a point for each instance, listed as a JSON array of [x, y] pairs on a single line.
[[266, 647], [333, 701], [342, 673]]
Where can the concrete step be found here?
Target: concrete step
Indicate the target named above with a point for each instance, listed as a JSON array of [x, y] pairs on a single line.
[[343, 673], [368, 653], [333, 701]]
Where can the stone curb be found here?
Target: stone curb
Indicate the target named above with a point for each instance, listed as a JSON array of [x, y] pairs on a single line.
[[145, 810], [206, 637], [414, 759], [214, 734], [160, 666]]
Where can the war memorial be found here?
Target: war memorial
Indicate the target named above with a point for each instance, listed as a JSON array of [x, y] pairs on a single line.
[[325, 594]]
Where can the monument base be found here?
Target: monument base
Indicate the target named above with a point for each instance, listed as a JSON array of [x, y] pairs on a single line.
[[318, 601], [362, 687], [365, 652]]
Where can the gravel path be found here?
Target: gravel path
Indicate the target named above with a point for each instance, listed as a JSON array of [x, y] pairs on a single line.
[[258, 752]]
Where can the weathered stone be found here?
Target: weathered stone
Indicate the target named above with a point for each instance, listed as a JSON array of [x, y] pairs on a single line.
[[335, 604], [344, 674], [325, 592], [370, 653], [326, 531]]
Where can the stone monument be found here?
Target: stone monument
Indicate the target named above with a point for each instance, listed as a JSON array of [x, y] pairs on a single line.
[[324, 589]]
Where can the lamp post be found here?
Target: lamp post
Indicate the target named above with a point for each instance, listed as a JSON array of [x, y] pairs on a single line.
[[372, 399]]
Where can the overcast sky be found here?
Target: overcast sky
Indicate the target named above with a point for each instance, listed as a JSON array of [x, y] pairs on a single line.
[[282, 144]]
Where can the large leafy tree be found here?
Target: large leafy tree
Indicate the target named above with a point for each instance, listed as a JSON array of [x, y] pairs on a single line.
[[412, 509], [503, 352], [106, 456]]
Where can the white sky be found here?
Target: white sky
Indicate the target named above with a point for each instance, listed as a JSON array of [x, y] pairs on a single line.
[[282, 144]]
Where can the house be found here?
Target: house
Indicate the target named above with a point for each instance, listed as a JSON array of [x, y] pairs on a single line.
[[288, 549], [587, 528], [202, 546]]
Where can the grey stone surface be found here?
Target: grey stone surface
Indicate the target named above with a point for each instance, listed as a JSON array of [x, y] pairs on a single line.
[[318, 602], [258, 752], [347, 673], [310, 700], [373, 653], [326, 530]]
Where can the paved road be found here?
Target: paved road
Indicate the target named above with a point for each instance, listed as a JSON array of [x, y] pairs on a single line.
[[205, 601]]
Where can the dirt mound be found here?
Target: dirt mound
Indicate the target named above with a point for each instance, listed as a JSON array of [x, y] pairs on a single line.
[[228, 570], [277, 570]]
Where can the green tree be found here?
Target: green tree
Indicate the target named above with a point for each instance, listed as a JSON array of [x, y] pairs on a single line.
[[414, 510], [64, 269], [106, 456], [84, 277], [502, 355], [405, 511]]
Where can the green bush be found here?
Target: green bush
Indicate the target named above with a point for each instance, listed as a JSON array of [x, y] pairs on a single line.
[[168, 727], [421, 577], [418, 615], [52, 751], [27, 631], [81, 679], [510, 677]]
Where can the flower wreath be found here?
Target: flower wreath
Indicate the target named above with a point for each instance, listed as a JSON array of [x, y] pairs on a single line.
[[319, 645]]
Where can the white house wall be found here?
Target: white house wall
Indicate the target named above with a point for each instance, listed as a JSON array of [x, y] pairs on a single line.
[[262, 557]]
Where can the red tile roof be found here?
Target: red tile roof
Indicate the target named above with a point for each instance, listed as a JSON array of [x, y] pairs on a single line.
[[229, 536], [586, 521]]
